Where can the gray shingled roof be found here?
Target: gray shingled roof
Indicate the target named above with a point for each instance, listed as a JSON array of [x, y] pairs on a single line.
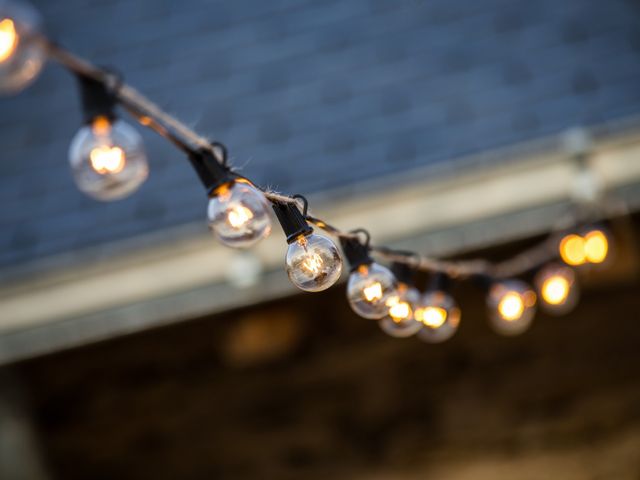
[[308, 96]]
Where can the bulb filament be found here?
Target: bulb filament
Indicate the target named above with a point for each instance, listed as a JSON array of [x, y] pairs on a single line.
[[373, 292], [400, 311], [433, 317], [106, 159], [555, 290], [239, 215], [8, 39], [511, 306]]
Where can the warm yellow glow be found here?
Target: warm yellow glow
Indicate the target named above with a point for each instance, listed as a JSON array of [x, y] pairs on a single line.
[[313, 263], [596, 246], [373, 292], [433, 317], [101, 126], [238, 216], [106, 159], [572, 250], [8, 39], [555, 290], [363, 270], [400, 311], [511, 306]]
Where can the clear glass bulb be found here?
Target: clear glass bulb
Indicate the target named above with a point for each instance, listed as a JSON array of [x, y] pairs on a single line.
[[556, 285], [400, 322], [439, 316], [238, 215], [512, 305], [21, 54], [313, 263], [108, 160], [369, 289]]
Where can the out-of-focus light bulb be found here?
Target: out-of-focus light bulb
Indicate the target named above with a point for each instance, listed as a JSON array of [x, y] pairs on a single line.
[[400, 322], [238, 215], [557, 288], [107, 159], [572, 250], [590, 247], [511, 306], [313, 263], [439, 316], [596, 246], [368, 290], [21, 54]]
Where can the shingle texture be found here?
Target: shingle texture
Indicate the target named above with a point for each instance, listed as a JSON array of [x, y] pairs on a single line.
[[307, 95]]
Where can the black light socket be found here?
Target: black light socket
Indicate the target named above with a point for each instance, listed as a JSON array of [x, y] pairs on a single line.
[[212, 173], [356, 253], [440, 281], [403, 272], [97, 99], [292, 221], [483, 281]]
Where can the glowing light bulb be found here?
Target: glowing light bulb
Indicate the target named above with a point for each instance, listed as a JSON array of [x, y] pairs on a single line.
[[596, 246], [400, 322], [511, 306], [238, 215], [572, 250], [108, 159], [21, 54], [368, 290], [557, 287], [313, 263], [590, 247], [439, 316]]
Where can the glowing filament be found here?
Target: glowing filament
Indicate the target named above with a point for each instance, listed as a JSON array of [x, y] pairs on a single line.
[[596, 246], [511, 306], [400, 311], [313, 263], [239, 215], [433, 317], [8, 39], [373, 292], [555, 290], [106, 159]]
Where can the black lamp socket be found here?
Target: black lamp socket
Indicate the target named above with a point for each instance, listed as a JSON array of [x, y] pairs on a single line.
[[292, 221]]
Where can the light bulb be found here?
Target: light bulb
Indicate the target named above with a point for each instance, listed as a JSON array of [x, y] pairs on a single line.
[[108, 159], [400, 322], [557, 287], [369, 289], [238, 215], [572, 251], [21, 53], [592, 246], [511, 306], [313, 263], [438, 315], [596, 246]]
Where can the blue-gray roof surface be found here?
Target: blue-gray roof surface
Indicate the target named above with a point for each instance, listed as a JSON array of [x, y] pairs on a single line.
[[307, 95]]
